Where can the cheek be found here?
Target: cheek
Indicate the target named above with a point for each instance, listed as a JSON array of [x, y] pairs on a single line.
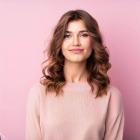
[[64, 48], [66, 43], [86, 43], [88, 47]]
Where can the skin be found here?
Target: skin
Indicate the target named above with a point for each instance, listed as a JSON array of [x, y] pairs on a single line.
[[75, 63]]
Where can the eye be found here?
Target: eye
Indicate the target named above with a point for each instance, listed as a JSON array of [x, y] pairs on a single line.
[[85, 35], [65, 36]]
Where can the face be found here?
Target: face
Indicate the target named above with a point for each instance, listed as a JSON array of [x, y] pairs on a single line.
[[76, 37]]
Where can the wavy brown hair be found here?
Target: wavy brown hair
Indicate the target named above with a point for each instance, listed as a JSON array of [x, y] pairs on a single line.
[[97, 64]]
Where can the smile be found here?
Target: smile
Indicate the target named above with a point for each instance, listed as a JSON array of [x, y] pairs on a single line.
[[76, 51]]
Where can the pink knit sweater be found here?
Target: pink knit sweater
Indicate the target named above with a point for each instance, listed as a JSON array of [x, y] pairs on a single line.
[[76, 115]]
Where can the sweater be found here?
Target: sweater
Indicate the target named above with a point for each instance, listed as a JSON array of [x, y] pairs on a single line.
[[77, 115]]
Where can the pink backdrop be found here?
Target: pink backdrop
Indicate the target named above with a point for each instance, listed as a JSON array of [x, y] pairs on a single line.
[[24, 27]]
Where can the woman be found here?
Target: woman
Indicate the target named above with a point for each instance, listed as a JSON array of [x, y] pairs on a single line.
[[75, 101]]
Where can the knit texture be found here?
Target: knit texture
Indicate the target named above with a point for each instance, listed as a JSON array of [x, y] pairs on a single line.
[[77, 115]]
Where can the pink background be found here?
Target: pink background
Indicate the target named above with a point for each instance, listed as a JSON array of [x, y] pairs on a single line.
[[24, 27]]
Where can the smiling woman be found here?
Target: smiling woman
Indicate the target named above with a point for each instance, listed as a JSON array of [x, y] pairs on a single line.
[[90, 108], [76, 30]]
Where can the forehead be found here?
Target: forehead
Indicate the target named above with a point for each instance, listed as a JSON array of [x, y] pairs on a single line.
[[76, 26]]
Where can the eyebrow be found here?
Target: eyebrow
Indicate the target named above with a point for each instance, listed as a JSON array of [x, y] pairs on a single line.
[[79, 31]]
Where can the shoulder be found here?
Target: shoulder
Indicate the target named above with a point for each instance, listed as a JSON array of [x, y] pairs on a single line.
[[35, 90], [33, 99], [113, 91], [114, 98], [37, 86]]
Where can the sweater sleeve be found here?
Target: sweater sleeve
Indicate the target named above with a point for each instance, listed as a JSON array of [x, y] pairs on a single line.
[[115, 117], [33, 131]]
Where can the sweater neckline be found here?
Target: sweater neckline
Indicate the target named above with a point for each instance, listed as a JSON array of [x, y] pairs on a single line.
[[78, 85]]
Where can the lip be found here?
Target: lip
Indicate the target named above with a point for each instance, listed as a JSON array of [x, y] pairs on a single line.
[[76, 50]]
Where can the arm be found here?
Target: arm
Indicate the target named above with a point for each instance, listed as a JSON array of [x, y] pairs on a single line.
[[33, 131], [114, 128], [114, 124]]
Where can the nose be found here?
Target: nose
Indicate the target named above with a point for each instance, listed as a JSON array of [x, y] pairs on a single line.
[[76, 41]]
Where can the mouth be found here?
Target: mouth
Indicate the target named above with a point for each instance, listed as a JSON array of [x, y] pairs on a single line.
[[76, 50]]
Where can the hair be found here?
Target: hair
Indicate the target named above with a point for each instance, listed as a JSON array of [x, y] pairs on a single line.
[[97, 64]]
